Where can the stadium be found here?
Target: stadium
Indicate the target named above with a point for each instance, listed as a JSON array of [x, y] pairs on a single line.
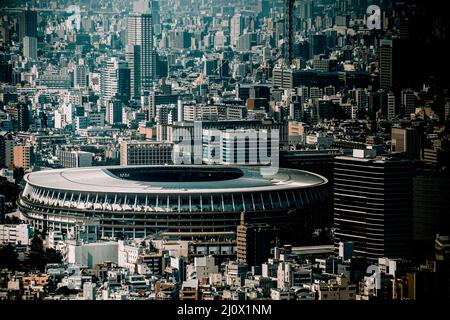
[[180, 202]]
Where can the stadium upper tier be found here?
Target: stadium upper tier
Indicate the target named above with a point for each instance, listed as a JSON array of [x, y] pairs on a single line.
[[186, 200], [170, 179]]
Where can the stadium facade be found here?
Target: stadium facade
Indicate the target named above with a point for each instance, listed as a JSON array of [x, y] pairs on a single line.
[[183, 202]]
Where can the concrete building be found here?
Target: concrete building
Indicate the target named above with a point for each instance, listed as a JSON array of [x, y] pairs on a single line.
[[253, 242], [346, 250], [373, 204], [27, 24], [431, 206], [114, 111], [140, 33], [133, 57], [150, 264], [392, 111], [6, 149], [335, 289], [296, 132], [204, 267], [30, 49], [80, 75], [241, 147], [81, 123], [189, 290], [386, 62], [15, 233], [128, 253], [282, 294], [75, 159], [236, 273], [54, 238], [20, 114], [320, 140], [90, 254], [408, 141], [115, 81], [23, 155], [236, 28], [408, 101], [145, 153], [89, 291]]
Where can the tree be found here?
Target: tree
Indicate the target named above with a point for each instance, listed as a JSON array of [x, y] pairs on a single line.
[[66, 291], [18, 174], [53, 256], [51, 286], [12, 220], [37, 258], [8, 258], [36, 244]]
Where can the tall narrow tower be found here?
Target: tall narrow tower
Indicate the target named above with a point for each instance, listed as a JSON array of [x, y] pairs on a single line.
[[140, 33], [386, 64], [288, 30]]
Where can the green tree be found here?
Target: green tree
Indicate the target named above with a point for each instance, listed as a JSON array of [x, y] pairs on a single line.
[[53, 256], [36, 256], [18, 174], [8, 258]]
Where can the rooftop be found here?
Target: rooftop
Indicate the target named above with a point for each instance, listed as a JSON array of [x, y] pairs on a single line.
[[172, 179]]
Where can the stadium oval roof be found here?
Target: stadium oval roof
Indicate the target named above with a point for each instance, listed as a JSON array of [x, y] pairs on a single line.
[[172, 179]]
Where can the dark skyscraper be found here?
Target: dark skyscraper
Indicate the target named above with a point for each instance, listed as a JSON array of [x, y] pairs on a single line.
[[386, 64], [318, 44], [23, 117], [263, 8], [2, 209], [431, 207], [253, 242], [289, 30], [133, 53], [140, 33], [373, 205], [27, 24]]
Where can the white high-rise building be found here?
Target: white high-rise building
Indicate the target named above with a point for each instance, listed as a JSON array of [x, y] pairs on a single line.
[[30, 47], [391, 110], [236, 28], [140, 33], [114, 80]]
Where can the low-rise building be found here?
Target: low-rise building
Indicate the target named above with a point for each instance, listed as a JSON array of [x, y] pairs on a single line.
[[335, 289], [189, 290], [19, 234], [90, 254]]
